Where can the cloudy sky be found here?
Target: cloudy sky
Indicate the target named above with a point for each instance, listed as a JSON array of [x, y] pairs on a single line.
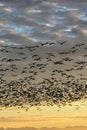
[[36, 20]]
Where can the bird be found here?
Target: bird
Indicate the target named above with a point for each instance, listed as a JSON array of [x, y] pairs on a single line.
[[61, 43]]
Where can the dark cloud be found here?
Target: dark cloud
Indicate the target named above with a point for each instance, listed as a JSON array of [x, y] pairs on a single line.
[[35, 14]]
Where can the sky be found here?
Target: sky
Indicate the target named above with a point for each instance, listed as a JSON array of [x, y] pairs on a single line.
[[26, 23], [36, 20], [39, 117]]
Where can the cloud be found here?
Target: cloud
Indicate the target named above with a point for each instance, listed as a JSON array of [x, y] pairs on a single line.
[[40, 118], [42, 121], [38, 14]]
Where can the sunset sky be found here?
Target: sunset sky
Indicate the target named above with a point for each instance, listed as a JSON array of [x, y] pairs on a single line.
[[68, 116]]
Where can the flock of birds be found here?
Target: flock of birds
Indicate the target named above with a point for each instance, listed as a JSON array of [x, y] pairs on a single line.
[[43, 74]]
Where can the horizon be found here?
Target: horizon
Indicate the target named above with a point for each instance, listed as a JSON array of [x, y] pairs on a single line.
[[48, 128]]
